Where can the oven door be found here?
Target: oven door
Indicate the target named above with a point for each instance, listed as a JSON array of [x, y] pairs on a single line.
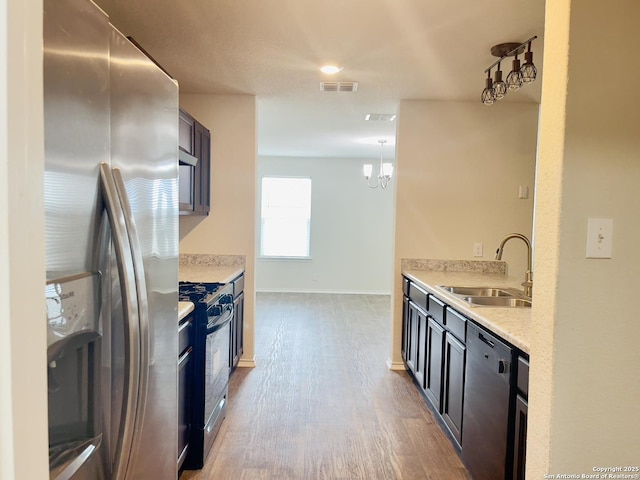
[[216, 377]]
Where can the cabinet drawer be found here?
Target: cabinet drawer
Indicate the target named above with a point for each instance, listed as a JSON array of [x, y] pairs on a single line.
[[405, 286], [436, 309], [523, 376], [418, 296], [456, 324], [184, 334]]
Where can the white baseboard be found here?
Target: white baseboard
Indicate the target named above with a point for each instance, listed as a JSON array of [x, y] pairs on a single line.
[[399, 366], [340, 292]]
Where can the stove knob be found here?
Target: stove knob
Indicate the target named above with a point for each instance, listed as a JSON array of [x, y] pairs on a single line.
[[214, 311], [226, 298]]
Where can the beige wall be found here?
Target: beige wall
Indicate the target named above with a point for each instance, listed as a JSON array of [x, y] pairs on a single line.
[[585, 360], [459, 166], [23, 381], [229, 229]]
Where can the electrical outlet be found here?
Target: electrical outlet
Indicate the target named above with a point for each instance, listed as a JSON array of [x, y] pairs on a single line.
[[599, 237], [477, 249]]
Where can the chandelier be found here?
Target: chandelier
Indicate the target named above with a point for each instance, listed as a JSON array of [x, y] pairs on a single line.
[[385, 172], [496, 89]]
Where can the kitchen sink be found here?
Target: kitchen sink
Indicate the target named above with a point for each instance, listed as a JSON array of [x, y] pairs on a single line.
[[478, 291], [498, 301], [489, 296]]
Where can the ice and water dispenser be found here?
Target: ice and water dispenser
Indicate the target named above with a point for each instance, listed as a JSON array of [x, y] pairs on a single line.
[[74, 343]]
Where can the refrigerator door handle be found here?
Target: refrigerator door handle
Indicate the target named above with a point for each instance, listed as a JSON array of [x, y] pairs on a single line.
[[126, 273], [143, 304]]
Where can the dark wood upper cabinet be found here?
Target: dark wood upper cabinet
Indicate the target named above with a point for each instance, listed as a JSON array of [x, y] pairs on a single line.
[[194, 142], [203, 169]]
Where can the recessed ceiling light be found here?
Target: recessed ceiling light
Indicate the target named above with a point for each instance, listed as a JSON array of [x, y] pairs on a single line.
[[330, 69]]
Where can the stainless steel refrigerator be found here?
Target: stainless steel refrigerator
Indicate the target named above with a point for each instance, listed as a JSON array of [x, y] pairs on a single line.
[[111, 200]]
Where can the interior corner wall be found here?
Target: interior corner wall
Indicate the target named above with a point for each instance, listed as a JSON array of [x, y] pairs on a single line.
[[23, 340], [459, 169], [229, 229], [585, 360], [351, 230]]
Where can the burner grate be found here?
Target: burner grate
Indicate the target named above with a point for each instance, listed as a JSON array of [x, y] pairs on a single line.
[[196, 291]]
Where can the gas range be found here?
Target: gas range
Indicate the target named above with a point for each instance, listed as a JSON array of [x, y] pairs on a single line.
[[212, 298], [201, 291], [212, 316]]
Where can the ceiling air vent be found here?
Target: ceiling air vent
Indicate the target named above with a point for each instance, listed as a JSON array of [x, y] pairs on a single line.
[[338, 86], [380, 117]]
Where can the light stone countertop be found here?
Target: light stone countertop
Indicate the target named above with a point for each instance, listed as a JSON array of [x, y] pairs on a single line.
[[512, 324], [209, 273], [207, 268], [184, 309]]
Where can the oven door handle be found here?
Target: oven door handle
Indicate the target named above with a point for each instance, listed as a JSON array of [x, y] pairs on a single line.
[[220, 324]]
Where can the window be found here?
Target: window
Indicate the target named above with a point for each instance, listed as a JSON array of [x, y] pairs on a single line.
[[285, 218]]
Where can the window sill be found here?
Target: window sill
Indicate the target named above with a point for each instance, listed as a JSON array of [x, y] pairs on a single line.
[[285, 259]]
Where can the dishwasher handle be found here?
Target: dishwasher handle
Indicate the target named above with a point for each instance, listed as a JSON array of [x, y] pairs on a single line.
[[486, 340]]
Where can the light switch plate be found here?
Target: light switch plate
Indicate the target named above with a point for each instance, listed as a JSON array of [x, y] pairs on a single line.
[[477, 249], [523, 192], [599, 237]]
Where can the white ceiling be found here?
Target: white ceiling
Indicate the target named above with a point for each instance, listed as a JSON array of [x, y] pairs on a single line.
[[394, 49]]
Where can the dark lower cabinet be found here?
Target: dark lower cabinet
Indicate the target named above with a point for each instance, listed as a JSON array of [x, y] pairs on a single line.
[[417, 343], [434, 352], [406, 328], [417, 326], [435, 345], [453, 388], [520, 438], [237, 323], [520, 420], [465, 373], [412, 344]]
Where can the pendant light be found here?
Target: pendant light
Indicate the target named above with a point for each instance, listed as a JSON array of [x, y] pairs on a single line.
[[488, 94], [499, 86], [385, 172], [514, 79], [528, 71], [520, 75]]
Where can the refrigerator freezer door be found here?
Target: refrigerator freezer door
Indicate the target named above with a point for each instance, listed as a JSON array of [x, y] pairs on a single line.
[[144, 151], [76, 127]]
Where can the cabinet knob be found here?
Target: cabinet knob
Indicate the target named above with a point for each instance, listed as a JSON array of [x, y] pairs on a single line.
[[226, 298]]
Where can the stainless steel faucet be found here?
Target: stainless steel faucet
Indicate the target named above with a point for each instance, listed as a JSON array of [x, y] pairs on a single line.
[[528, 276]]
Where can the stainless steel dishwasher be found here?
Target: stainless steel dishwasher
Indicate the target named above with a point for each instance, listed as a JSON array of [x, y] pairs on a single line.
[[486, 405]]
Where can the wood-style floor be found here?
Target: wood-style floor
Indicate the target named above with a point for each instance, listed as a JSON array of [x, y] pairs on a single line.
[[321, 402]]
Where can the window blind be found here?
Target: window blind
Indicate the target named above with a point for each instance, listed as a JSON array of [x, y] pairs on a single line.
[[285, 217]]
